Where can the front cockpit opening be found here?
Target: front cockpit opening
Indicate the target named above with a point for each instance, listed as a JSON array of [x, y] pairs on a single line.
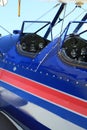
[[32, 38], [31, 44]]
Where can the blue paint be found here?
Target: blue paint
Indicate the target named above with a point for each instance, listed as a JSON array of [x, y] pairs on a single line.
[[46, 68], [64, 113]]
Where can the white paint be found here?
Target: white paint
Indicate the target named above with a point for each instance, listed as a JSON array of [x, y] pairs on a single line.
[[52, 121], [3, 2]]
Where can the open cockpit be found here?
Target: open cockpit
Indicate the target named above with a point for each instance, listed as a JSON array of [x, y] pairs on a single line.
[[74, 46], [33, 37]]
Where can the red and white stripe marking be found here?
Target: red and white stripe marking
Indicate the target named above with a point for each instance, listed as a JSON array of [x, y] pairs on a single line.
[[51, 95]]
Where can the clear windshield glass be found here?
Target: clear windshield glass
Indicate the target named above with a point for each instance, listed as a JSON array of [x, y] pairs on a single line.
[[38, 27], [75, 27], [78, 28]]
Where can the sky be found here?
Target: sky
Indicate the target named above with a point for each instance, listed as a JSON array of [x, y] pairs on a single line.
[[32, 10]]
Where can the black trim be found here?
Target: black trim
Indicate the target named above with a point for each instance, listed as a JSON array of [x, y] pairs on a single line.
[[5, 123]]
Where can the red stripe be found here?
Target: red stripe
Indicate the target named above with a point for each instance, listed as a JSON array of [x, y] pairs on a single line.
[[42, 91]]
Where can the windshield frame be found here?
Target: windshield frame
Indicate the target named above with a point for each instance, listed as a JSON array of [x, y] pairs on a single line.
[[65, 37], [44, 24], [75, 31]]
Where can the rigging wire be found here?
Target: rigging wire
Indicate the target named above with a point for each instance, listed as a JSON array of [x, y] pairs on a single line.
[[44, 14], [60, 19], [84, 10], [48, 11], [71, 13], [5, 30]]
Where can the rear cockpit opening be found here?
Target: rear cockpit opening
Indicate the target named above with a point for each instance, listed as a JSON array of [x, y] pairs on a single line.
[[73, 50]]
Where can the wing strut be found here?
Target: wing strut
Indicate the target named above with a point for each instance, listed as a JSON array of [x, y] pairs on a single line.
[[80, 24], [19, 5], [54, 20]]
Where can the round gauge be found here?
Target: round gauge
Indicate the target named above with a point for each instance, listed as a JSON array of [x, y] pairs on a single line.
[[73, 53], [74, 43], [3, 2], [41, 45], [24, 46], [83, 51]]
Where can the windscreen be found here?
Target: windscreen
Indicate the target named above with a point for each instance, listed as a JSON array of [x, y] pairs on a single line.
[[37, 27]]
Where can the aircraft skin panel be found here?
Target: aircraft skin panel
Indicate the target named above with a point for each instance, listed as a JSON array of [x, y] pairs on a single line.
[[63, 105], [44, 92], [11, 41], [45, 83], [6, 123], [40, 114], [53, 121], [48, 66]]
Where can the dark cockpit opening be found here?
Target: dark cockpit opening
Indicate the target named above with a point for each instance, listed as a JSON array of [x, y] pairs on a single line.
[[33, 37], [73, 44], [74, 50], [31, 44]]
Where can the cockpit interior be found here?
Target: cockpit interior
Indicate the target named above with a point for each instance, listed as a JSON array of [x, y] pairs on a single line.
[[74, 50], [31, 40]]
